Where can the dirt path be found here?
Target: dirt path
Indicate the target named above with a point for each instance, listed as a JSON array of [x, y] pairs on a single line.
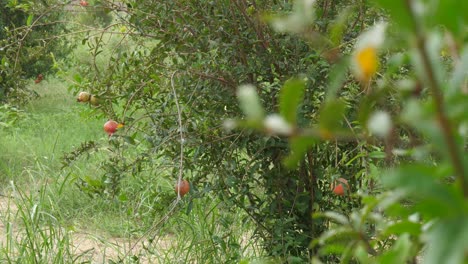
[[86, 247]]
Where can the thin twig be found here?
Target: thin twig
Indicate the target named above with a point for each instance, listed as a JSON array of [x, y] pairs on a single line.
[[181, 162]]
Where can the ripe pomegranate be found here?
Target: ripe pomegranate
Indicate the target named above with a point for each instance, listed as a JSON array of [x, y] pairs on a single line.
[[110, 127], [83, 3], [340, 186], [39, 78], [83, 97], [182, 187]]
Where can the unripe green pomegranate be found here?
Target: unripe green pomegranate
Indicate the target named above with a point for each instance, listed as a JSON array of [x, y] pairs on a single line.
[[94, 100]]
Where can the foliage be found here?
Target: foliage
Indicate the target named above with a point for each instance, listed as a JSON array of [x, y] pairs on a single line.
[[28, 43], [198, 54], [9, 116], [425, 210], [325, 95]]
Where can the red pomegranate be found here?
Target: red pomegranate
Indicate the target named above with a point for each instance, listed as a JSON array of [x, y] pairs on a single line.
[[110, 127], [182, 187], [340, 186]]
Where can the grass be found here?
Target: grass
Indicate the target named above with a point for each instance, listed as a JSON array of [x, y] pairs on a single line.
[[50, 126], [44, 213]]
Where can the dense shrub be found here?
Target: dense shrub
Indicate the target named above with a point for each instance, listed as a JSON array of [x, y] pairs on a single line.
[[200, 52]]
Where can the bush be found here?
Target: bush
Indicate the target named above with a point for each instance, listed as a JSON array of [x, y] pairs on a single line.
[[199, 53]]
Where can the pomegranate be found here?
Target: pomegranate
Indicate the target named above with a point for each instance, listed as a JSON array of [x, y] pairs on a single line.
[[84, 3], [94, 100], [83, 97], [182, 187], [110, 127], [39, 78], [340, 186]]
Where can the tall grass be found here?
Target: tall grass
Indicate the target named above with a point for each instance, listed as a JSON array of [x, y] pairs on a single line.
[[210, 233], [32, 235]]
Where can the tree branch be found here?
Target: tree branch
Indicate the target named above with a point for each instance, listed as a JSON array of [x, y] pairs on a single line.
[[438, 100]]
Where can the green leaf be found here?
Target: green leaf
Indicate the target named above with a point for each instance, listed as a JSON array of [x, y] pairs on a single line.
[[93, 182], [337, 235], [123, 197], [399, 11], [460, 74], [421, 181], [155, 77], [30, 19], [249, 102], [77, 78], [338, 26], [447, 241], [302, 16], [361, 254], [377, 155], [457, 109], [299, 146], [403, 227], [399, 253], [423, 112], [334, 216], [292, 260], [129, 140], [189, 207], [5, 61], [453, 14], [434, 44], [291, 96], [360, 155], [331, 115], [338, 74]]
